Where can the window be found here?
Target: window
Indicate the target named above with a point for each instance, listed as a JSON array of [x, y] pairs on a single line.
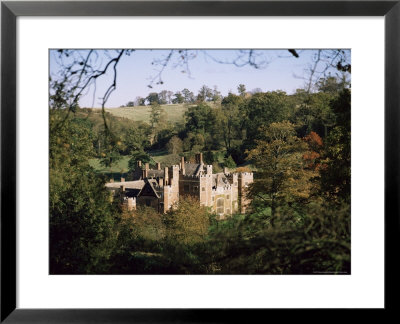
[[203, 189], [148, 202], [227, 196], [195, 188], [186, 188]]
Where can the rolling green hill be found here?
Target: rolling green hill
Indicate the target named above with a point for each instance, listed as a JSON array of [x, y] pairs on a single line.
[[142, 113]]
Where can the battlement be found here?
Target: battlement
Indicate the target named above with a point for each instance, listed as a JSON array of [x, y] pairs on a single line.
[[246, 174], [190, 177], [221, 189], [205, 175]]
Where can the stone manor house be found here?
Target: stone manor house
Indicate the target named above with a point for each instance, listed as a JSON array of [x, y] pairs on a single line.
[[224, 192]]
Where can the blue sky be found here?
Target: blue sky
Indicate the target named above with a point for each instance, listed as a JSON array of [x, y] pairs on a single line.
[[282, 71]]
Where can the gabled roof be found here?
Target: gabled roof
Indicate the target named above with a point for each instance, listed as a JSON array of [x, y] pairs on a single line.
[[132, 193], [193, 169], [149, 189]]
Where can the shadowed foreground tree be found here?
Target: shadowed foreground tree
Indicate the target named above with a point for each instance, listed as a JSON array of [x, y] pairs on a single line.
[[172, 243], [336, 176], [81, 215], [319, 244]]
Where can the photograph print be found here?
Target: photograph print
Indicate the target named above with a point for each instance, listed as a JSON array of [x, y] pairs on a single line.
[[199, 161]]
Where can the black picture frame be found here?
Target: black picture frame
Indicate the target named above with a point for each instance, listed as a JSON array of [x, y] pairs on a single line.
[[10, 10]]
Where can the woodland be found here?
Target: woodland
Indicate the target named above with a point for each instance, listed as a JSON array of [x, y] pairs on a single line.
[[297, 145]]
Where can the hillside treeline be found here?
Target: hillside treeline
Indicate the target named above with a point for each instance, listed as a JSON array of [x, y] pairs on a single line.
[[299, 218]]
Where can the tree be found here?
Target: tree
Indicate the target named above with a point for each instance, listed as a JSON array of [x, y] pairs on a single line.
[[241, 90], [331, 85], [153, 98], [130, 104], [155, 114], [229, 163], [158, 119], [137, 138], [200, 118], [188, 223], [314, 112], [229, 120], [194, 142], [216, 95], [169, 96], [282, 178], [163, 97], [204, 94], [313, 154], [136, 156], [175, 145], [263, 109], [188, 96], [139, 101], [81, 215], [178, 98], [335, 175]]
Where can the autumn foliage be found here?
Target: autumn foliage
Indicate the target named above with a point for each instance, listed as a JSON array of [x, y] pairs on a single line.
[[313, 154]]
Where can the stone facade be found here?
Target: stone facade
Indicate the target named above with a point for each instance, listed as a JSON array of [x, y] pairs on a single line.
[[224, 193]]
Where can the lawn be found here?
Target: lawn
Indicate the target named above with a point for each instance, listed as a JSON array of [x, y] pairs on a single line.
[[120, 167]]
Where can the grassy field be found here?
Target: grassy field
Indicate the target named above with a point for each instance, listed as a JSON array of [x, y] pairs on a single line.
[[120, 168], [142, 113]]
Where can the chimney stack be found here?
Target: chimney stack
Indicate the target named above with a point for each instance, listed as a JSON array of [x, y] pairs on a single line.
[[158, 166], [145, 171], [201, 158], [160, 182], [183, 164], [166, 176], [139, 164], [226, 170]]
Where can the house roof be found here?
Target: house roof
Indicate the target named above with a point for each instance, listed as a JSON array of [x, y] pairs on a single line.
[[137, 184], [155, 173], [193, 169], [132, 193], [150, 188]]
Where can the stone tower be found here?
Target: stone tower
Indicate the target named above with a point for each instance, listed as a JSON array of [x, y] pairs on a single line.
[[244, 180]]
